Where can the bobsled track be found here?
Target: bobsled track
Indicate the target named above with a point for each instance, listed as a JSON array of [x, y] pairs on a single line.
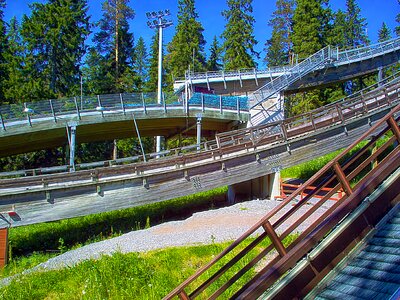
[[351, 250]]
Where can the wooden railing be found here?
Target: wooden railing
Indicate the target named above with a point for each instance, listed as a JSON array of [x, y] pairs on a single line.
[[358, 174]]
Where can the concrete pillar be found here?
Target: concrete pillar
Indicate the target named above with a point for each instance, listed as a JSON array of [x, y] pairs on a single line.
[[3, 247], [380, 76], [199, 116], [264, 187], [72, 141]]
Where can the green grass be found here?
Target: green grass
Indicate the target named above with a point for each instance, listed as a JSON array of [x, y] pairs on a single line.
[[149, 275], [306, 170], [33, 244]]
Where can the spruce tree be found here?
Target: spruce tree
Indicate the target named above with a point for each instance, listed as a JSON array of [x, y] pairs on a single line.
[[214, 60], [279, 46], [14, 85], [309, 28], [239, 39], [3, 50], [152, 83], [338, 34], [355, 26], [187, 46], [397, 29], [384, 33], [141, 62], [115, 47], [54, 36]]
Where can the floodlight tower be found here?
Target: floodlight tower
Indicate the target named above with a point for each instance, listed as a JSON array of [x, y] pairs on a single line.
[[157, 20]]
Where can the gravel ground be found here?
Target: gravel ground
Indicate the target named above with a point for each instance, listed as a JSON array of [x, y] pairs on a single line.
[[217, 225]]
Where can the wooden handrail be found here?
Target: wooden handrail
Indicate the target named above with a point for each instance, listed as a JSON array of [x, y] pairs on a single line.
[[338, 173]]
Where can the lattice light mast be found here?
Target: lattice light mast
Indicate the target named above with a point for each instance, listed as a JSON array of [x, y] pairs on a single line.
[[157, 20]]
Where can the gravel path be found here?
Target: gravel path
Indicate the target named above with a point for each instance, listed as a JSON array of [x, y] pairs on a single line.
[[217, 225]]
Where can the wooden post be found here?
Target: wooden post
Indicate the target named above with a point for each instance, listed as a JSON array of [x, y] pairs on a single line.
[[274, 238], [342, 178], [3, 247]]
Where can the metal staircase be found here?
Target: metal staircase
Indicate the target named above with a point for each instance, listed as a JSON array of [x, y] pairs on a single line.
[[280, 83], [316, 61]]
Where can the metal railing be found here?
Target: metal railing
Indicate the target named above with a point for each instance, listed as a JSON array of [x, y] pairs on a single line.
[[77, 107], [373, 98], [367, 167], [296, 72]]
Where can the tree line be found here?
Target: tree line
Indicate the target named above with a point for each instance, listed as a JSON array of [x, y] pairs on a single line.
[[46, 54]]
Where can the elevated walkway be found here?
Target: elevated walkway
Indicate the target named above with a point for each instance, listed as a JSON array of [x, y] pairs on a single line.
[[44, 124], [273, 260], [345, 64]]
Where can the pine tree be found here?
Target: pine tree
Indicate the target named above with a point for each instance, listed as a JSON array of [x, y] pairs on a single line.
[[279, 45], [141, 62], [239, 40], [54, 36], [213, 62], [338, 33], [3, 50], [384, 33], [115, 44], [355, 26], [397, 29], [187, 46], [309, 29], [14, 85], [152, 83]]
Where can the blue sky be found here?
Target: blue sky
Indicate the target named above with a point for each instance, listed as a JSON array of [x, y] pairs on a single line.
[[375, 11]]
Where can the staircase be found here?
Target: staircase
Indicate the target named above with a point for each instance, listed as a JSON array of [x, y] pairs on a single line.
[[374, 273], [280, 83]]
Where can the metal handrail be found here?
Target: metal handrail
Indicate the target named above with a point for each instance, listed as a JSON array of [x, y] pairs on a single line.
[[250, 138], [57, 109], [301, 69], [351, 175]]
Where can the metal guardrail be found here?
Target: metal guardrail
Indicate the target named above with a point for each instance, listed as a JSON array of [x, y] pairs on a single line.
[[338, 113], [343, 56], [58, 109], [267, 250], [281, 82]]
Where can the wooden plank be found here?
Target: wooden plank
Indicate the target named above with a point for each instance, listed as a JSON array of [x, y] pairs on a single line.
[[3, 246]]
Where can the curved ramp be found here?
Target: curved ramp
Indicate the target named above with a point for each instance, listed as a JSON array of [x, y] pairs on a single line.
[[235, 157]]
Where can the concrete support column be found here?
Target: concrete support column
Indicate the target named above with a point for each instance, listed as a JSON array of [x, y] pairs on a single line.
[[3, 247], [380, 76], [72, 142], [267, 186], [199, 116]]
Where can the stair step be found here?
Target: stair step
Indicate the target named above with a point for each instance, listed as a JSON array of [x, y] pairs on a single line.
[[378, 241], [388, 233], [372, 274], [375, 285], [382, 250], [393, 267], [335, 295], [379, 257], [362, 290]]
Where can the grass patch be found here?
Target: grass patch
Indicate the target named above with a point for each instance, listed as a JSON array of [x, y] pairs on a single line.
[[33, 244], [149, 275], [306, 170]]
